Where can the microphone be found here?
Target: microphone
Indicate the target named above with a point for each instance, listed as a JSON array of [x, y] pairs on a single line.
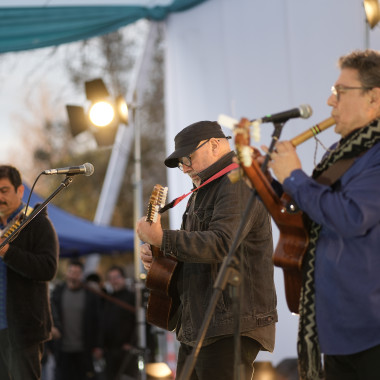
[[87, 169], [304, 111]]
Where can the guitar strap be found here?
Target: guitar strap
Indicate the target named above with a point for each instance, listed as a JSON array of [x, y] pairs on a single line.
[[174, 202], [336, 171], [328, 177]]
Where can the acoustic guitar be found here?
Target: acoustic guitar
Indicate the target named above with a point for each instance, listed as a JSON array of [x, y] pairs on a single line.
[[163, 301], [294, 239], [15, 223]]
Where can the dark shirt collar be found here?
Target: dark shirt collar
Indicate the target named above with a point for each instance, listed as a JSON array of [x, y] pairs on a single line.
[[216, 166]]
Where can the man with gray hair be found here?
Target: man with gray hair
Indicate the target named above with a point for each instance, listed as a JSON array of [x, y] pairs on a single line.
[[340, 300]]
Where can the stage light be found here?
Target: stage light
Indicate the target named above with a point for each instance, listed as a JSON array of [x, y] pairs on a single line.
[[101, 114], [122, 109], [372, 12], [155, 371], [77, 119], [104, 113], [96, 90], [263, 371]]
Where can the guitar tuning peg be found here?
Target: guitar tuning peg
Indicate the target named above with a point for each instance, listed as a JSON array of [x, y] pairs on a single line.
[[227, 121], [246, 156], [256, 132]]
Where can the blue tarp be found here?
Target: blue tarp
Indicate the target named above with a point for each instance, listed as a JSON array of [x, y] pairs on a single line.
[[79, 236]]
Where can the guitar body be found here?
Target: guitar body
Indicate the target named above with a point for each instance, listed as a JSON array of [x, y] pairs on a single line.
[[163, 303], [288, 255], [294, 239]]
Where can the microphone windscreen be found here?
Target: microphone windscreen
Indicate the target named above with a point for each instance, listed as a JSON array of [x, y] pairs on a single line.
[[89, 169], [305, 111]]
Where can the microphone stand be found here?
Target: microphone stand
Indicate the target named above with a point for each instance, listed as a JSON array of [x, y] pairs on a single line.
[[228, 274], [275, 137], [65, 183]]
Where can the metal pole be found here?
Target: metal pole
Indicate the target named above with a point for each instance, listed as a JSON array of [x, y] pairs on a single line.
[[111, 185], [113, 180], [139, 283], [119, 155]]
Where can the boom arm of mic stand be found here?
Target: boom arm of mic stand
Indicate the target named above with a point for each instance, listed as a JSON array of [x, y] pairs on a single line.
[[65, 183]]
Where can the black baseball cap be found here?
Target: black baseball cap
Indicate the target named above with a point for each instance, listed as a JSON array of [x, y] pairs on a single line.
[[188, 139]]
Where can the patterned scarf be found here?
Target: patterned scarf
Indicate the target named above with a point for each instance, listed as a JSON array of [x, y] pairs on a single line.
[[310, 366]]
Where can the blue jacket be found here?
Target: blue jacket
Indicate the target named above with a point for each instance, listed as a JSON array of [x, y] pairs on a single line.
[[347, 277]]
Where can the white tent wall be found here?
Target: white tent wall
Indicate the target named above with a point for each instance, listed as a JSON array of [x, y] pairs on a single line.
[[248, 58]]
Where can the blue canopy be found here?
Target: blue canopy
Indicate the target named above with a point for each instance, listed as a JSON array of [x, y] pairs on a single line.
[[79, 236]]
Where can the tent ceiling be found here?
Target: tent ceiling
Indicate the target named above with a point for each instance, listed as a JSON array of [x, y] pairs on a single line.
[[54, 3], [51, 23]]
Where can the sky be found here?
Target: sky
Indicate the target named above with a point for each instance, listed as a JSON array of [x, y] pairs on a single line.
[[33, 78], [26, 75], [22, 76]]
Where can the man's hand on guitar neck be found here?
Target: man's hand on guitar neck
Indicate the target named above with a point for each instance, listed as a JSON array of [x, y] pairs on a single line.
[[284, 160], [146, 255], [150, 233], [259, 158]]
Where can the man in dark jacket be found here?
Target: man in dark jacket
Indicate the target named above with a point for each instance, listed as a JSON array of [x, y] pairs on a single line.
[[209, 227], [76, 313], [27, 265]]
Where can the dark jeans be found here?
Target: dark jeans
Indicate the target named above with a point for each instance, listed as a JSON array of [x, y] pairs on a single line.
[[19, 363], [216, 361], [364, 365], [73, 366], [118, 362]]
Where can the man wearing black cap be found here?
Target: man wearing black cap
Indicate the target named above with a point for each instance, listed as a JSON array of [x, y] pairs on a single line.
[[209, 226]]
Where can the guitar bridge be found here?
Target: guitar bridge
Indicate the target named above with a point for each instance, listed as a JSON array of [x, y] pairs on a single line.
[[292, 208]]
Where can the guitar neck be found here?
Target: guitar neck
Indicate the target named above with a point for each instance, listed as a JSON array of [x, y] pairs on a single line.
[[15, 223], [156, 251]]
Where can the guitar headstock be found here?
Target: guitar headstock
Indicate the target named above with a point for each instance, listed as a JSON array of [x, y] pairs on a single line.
[[156, 202], [242, 141]]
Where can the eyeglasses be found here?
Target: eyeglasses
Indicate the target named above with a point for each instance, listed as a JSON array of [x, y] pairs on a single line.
[[337, 90], [187, 159]]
